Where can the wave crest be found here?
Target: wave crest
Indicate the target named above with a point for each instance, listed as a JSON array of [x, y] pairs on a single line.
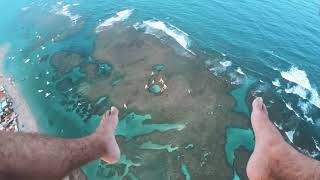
[[64, 10], [154, 27], [303, 87], [120, 16]]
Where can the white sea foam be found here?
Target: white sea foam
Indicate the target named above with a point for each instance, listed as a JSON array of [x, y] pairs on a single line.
[[239, 70], [297, 76], [316, 143], [305, 107], [289, 106], [290, 135], [298, 90], [120, 16], [312, 154], [25, 8], [276, 83], [303, 87], [154, 27], [235, 79], [47, 95], [278, 125], [64, 10], [217, 69], [225, 63], [26, 61], [305, 117]]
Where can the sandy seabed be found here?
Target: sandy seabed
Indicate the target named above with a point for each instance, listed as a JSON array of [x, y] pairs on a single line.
[[26, 121]]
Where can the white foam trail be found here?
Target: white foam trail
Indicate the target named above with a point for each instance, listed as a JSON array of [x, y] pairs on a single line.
[[65, 11], [303, 87], [239, 70], [290, 135], [305, 107], [225, 63], [120, 16], [278, 125], [289, 106], [276, 83], [316, 143], [153, 27]]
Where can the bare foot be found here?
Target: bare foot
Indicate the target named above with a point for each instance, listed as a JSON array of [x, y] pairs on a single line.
[[272, 157], [268, 141], [105, 135]]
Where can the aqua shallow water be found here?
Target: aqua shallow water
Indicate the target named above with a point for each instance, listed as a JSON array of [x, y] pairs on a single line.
[[276, 43]]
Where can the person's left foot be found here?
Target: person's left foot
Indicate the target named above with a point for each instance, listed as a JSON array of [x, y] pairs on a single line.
[[105, 133]]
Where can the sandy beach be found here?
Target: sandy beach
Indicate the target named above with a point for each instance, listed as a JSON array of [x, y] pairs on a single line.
[[26, 121]]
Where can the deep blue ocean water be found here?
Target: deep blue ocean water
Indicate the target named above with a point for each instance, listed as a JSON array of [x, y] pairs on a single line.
[[276, 43]]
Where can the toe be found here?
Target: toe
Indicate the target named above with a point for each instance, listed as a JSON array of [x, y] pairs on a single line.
[[114, 111], [261, 124], [105, 116], [259, 116]]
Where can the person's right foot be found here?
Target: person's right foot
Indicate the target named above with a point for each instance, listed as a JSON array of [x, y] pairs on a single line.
[[105, 134], [268, 142]]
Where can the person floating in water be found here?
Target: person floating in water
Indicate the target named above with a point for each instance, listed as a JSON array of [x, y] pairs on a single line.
[[35, 156]]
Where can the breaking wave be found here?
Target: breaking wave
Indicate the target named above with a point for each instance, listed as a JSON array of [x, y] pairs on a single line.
[[303, 87], [225, 63], [297, 76], [120, 16], [154, 27], [64, 10]]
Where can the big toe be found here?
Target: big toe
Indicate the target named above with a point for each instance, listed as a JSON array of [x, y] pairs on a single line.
[[259, 116], [111, 117], [261, 124], [258, 107]]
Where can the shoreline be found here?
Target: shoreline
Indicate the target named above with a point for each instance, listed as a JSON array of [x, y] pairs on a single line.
[[26, 121]]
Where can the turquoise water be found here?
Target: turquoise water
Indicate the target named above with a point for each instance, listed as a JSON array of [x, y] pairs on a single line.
[[267, 48]]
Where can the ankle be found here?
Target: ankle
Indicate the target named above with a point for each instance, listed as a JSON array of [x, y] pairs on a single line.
[[99, 143]]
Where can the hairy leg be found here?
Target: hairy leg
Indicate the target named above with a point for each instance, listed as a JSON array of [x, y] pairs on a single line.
[[273, 158], [35, 156]]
